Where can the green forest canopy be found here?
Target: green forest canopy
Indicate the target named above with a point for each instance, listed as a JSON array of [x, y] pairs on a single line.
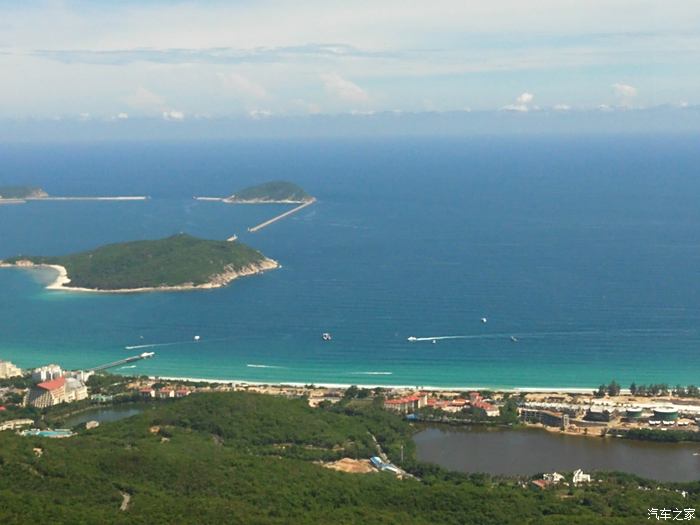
[[173, 261], [272, 191], [253, 459]]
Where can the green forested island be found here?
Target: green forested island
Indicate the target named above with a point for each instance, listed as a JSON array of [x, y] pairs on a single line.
[[177, 262], [21, 192], [270, 192], [253, 459]]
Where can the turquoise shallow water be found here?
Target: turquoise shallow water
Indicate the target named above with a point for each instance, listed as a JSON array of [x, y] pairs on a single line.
[[586, 250]]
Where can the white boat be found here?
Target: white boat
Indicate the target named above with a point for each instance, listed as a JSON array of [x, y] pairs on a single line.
[[484, 320], [434, 341], [412, 339], [326, 336], [513, 338], [196, 338]]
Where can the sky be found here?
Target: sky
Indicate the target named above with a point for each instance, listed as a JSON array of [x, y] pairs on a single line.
[[175, 61]]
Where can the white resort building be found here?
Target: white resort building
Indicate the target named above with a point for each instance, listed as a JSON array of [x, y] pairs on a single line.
[[581, 477], [47, 373], [8, 370], [56, 391]]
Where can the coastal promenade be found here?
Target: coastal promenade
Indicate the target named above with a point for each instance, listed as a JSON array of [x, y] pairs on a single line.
[[280, 216]]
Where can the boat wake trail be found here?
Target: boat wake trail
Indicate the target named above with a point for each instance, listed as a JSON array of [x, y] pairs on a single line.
[[175, 343], [628, 332], [123, 367], [262, 366], [442, 337], [371, 373]]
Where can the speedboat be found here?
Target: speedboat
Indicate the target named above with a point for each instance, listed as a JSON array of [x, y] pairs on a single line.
[[513, 338], [412, 339], [326, 336], [484, 320]]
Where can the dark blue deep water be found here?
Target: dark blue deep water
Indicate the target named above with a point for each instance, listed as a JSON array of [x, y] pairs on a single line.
[[586, 250]]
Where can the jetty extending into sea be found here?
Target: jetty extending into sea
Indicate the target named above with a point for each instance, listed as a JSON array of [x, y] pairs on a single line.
[[281, 216], [127, 198]]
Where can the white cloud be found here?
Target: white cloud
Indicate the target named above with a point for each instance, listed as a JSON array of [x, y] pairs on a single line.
[[344, 89], [257, 114], [122, 116], [522, 103], [173, 115], [525, 98], [243, 86], [146, 100], [562, 107], [624, 90]]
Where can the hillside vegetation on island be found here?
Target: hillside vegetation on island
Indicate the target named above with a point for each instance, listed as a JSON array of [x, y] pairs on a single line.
[[21, 192], [253, 459], [277, 191], [177, 261]]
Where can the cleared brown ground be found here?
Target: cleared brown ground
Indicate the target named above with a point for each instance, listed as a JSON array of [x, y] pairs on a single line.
[[354, 466]]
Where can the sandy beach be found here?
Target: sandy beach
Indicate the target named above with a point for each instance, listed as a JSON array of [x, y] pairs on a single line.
[[427, 388]]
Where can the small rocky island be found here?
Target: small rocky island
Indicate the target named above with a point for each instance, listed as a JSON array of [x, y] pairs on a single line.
[[180, 262], [20, 193], [276, 192]]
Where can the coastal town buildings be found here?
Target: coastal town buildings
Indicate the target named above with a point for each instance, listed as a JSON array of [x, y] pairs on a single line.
[[549, 418], [599, 413], [406, 404], [482, 407], [56, 391], [581, 477], [47, 373], [14, 424], [553, 477], [8, 370], [47, 393], [75, 390]]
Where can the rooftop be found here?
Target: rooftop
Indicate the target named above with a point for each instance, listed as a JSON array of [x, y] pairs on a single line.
[[53, 384]]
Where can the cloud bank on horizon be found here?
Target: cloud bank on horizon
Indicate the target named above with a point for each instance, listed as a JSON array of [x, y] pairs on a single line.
[[181, 60]]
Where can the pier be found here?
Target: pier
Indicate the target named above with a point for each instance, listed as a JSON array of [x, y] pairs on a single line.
[[209, 199], [128, 198], [281, 216], [145, 355]]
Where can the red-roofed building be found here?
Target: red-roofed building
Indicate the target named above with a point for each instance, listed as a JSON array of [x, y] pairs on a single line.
[[541, 483], [182, 392], [406, 404], [165, 393], [147, 392], [485, 408], [48, 393]]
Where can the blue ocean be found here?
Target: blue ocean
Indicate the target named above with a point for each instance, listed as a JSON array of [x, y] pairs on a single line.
[[582, 253]]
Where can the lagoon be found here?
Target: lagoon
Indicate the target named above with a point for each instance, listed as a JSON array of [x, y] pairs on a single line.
[[532, 451], [103, 414]]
